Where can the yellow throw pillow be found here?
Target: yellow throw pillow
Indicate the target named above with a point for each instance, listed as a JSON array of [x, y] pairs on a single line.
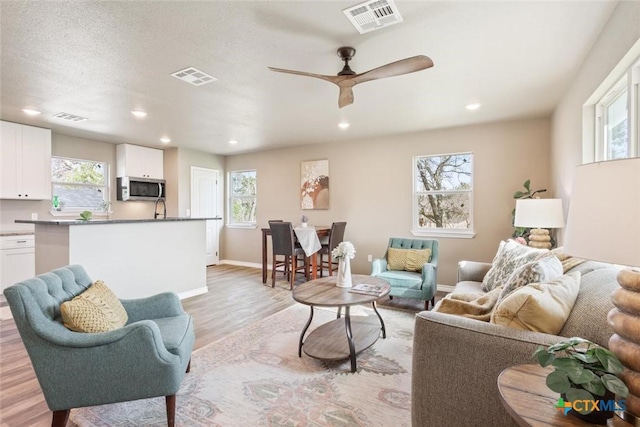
[[396, 258], [539, 307], [416, 258], [95, 310], [407, 259]]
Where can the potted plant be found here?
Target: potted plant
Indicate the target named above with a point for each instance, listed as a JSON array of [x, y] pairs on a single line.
[[584, 371], [304, 220]]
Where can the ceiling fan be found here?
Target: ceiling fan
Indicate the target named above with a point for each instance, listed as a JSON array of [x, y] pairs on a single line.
[[347, 78]]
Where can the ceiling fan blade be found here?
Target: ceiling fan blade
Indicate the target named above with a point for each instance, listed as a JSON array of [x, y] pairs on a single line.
[[404, 66], [346, 95], [332, 79]]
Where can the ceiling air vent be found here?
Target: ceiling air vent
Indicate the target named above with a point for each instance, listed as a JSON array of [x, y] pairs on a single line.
[[373, 15], [194, 76], [70, 117]]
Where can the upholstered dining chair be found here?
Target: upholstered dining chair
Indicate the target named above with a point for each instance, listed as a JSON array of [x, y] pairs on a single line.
[[280, 262], [336, 235], [147, 357], [411, 268], [284, 245]]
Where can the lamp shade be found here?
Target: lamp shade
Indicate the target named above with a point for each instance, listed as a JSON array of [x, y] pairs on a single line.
[[539, 213], [604, 213]]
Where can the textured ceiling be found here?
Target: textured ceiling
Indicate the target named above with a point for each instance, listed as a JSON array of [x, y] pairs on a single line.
[[103, 59]]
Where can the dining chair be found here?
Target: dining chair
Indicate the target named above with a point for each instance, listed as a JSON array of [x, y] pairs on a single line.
[[336, 235], [280, 263], [284, 245]]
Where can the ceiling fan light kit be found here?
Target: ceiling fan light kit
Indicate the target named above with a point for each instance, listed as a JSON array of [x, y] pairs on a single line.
[[347, 78]]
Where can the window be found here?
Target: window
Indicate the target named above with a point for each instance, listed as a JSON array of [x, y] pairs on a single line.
[[242, 198], [617, 118], [79, 185], [443, 195]]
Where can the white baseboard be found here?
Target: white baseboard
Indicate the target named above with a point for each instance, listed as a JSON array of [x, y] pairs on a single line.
[[193, 292], [445, 288], [244, 263], [441, 288]]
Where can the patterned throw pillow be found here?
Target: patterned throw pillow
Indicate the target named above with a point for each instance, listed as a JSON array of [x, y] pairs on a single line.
[[95, 310], [509, 257], [539, 307], [396, 259], [407, 259], [543, 270], [416, 258]]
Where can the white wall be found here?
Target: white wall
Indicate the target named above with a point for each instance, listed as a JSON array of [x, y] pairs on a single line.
[[618, 36], [370, 188]]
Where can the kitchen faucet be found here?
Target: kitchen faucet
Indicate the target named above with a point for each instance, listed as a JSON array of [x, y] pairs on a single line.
[[164, 208]]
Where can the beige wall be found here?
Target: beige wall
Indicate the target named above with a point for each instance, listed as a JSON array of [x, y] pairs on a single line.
[[617, 37], [177, 163], [370, 184]]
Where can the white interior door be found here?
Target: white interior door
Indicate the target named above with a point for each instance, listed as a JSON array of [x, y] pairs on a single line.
[[204, 204]]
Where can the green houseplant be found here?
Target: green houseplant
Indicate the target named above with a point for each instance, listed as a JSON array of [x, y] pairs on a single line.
[[583, 371], [528, 194]]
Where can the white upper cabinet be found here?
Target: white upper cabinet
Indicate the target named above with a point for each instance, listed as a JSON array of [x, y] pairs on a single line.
[[25, 162], [140, 162]]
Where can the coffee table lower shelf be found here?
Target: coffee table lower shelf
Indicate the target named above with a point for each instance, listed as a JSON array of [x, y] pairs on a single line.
[[329, 342]]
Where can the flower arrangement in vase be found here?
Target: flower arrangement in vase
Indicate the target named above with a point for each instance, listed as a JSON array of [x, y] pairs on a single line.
[[304, 220], [344, 253]]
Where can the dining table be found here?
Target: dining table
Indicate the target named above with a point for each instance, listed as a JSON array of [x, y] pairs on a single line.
[[320, 231]]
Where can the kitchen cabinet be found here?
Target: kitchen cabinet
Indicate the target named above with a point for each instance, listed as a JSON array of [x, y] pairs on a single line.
[[17, 259], [25, 163], [140, 162]]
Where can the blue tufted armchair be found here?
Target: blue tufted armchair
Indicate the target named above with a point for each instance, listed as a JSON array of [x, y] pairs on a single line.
[[410, 284], [148, 357]]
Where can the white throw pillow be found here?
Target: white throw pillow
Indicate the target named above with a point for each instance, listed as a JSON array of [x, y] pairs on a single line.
[[539, 307]]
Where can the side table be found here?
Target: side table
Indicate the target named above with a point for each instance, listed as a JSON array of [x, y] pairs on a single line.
[[530, 402]]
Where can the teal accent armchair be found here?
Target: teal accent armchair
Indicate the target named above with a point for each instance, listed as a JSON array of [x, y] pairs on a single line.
[[148, 357], [410, 284]]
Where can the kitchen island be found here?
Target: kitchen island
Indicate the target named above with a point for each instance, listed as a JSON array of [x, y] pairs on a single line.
[[135, 258]]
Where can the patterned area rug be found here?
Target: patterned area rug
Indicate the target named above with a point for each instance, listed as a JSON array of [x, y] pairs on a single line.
[[254, 377]]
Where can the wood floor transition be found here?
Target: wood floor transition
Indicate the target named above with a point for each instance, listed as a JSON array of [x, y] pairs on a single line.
[[236, 298]]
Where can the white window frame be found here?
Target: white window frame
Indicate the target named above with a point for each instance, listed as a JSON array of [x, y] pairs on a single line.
[[104, 210], [416, 230], [628, 80], [230, 223]]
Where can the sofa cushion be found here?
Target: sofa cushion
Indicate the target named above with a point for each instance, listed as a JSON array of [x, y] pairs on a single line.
[[402, 279], [407, 259], [543, 270], [539, 307], [95, 310], [509, 257], [173, 330]]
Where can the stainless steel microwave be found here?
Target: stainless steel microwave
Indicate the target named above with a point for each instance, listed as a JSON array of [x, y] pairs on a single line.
[[130, 188]]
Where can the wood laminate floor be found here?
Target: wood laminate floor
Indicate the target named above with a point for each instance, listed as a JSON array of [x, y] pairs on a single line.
[[236, 298]]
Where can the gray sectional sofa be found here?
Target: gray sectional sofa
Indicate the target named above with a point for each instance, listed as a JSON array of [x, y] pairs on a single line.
[[457, 360]]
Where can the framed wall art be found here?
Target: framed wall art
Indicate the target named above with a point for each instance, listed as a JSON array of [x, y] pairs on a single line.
[[314, 184]]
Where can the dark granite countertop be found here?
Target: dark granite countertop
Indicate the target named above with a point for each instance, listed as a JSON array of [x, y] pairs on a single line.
[[107, 221]]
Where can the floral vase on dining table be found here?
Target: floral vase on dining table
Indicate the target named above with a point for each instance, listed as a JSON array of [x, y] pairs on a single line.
[[344, 252]]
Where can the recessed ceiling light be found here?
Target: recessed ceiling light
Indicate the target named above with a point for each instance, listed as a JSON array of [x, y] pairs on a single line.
[[343, 125], [165, 140], [139, 113], [233, 142], [473, 106], [30, 112]]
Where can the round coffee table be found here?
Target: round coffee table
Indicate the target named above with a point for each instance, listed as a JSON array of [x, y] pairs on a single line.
[[327, 341]]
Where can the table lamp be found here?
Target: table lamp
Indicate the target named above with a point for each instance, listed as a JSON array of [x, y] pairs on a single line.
[[604, 225], [539, 215]]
